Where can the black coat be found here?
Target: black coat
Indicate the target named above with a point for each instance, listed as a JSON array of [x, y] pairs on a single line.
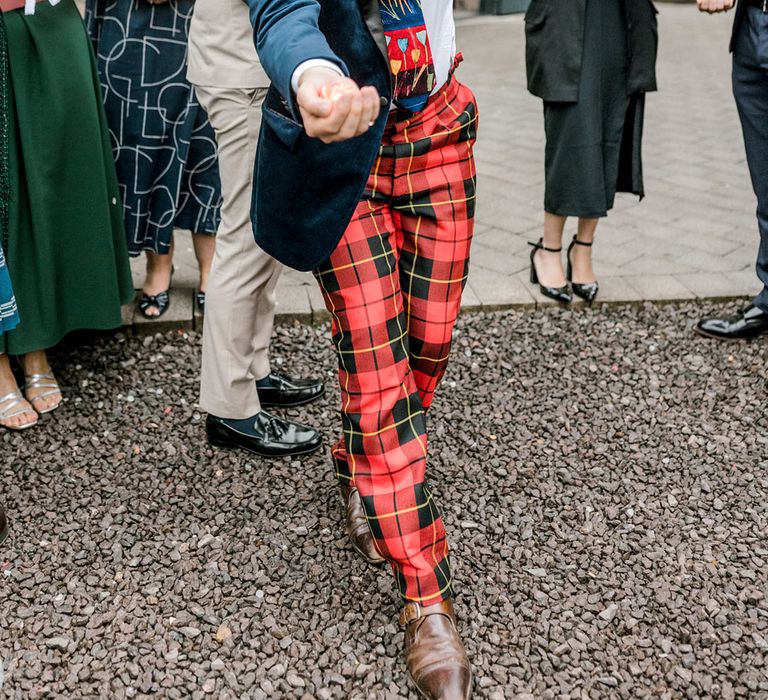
[[741, 11], [554, 31]]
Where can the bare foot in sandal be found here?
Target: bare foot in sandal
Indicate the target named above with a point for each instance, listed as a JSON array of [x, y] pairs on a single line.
[[16, 413], [40, 386]]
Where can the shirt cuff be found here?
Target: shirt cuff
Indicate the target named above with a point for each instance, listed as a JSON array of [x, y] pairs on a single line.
[[312, 63]]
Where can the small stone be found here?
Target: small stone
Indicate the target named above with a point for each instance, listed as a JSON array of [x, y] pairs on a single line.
[[60, 643], [609, 613], [205, 540], [223, 633], [294, 680]]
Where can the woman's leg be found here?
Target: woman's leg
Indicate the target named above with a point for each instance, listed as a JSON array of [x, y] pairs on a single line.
[[581, 255], [8, 386], [205, 248], [42, 390], [549, 266], [158, 277]]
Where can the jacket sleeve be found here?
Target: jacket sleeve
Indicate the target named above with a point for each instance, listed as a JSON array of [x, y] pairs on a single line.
[[287, 33]]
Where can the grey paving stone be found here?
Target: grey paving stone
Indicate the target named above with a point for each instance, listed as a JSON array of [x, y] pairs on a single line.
[[320, 312], [126, 314], [706, 286], [746, 280], [499, 291], [618, 290], [659, 287], [293, 303]]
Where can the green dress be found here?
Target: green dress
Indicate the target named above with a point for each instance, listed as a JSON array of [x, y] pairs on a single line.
[[66, 249]]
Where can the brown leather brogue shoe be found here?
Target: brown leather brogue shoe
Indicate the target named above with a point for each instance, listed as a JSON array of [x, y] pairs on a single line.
[[3, 525], [357, 526], [434, 652]]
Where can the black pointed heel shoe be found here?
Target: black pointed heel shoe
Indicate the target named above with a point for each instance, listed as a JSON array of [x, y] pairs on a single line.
[[561, 294], [589, 291]]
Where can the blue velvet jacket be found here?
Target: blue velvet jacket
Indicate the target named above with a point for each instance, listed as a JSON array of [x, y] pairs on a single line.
[[304, 191]]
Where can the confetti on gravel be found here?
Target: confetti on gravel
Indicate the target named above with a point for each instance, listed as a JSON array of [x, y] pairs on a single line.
[[604, 479]]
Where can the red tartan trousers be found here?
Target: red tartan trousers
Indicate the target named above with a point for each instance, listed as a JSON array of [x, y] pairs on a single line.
[[393, 287]]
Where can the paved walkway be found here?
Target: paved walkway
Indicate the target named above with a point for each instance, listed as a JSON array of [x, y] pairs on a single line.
[[694, 236]]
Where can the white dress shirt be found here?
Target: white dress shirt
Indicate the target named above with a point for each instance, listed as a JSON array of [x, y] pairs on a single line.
[[441, 30]]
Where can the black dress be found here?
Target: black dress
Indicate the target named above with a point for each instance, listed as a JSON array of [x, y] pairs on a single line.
[[587, 139]]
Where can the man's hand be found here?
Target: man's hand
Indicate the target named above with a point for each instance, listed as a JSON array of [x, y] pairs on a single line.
[[713, 6], [333, 107]]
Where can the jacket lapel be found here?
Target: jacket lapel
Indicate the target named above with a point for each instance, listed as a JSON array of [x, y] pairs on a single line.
[[372, 15]]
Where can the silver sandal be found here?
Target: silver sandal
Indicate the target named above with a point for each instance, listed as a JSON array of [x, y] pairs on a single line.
[[14, 400], [42, 381]]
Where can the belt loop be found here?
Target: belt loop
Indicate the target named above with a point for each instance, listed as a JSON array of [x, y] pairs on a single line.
[[458, 59]]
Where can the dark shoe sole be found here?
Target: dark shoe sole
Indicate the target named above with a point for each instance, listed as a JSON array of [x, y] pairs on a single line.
[[302, 402], [220, 444], [715, 336], [585, 297], [422, 694], [4, 533], [555, 297]]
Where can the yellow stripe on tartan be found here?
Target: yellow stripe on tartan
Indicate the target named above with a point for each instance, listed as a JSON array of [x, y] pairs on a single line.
[[432, 205], [436, 597], [430, 279], [373, 348], [435, 360], [380, 518], [356, 263], [359, 433], [450, 106]]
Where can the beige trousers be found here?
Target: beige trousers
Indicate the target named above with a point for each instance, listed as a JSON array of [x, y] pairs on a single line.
[[240, 299]]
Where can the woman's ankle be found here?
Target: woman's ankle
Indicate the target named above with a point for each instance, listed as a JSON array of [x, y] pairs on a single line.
[[35, 362]]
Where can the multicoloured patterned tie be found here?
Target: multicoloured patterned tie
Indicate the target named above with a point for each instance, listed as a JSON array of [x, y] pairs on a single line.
[[410, 55]]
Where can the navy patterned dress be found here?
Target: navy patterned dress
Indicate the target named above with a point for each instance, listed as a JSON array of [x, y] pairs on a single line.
[[165, 149]]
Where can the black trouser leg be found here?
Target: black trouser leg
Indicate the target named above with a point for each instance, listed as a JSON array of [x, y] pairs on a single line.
[[750, 87]]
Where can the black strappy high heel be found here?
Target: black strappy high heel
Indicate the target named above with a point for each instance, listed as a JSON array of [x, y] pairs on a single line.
[[159, 301], [588, 291], [561, 294]]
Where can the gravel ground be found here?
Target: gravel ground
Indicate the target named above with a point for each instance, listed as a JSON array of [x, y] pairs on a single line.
[[602, 473]]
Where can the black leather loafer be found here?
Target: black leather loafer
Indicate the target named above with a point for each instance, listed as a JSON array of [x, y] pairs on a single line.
[[264, 435], [280, 390], [3, 526], [747, 323]]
